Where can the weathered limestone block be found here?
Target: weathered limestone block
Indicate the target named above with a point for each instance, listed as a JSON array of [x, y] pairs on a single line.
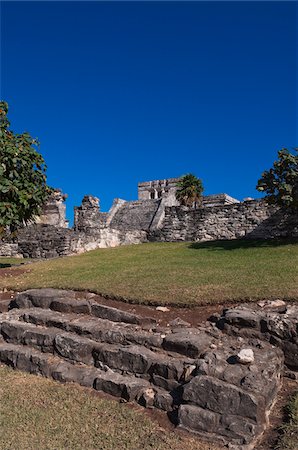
[[100, 330], [119, 386], [226, 428], [190, 342], [218, 396], [116, 315], [66, 301], [229, 401], [40, 298], [74, 348], [67, 305], [131, 358]]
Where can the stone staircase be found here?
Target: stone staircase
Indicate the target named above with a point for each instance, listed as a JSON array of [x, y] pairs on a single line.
[[192, 373]]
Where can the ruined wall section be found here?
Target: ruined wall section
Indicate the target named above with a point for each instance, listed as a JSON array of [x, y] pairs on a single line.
[[87, 217], [252, 219], [47, 241], [137, 215], [54, 211], [10, 249]]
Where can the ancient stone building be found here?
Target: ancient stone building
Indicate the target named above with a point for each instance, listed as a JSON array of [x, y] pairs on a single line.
[[155, 216], [157, 189]]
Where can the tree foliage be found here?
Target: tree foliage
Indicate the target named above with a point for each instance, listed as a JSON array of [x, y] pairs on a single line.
[[189, 190], [281, 181], [23, 187]]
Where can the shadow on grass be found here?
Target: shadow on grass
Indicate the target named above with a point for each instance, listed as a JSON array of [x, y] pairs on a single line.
[[242, 243], [5, 265]]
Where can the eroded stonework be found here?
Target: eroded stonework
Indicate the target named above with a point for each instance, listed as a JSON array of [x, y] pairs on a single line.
[[155, 216], [53, 212], [219, 385]]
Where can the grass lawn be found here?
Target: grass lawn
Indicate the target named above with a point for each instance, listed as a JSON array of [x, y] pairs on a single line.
[[289, 439], [37, 413], [174, 273], [6, 261]]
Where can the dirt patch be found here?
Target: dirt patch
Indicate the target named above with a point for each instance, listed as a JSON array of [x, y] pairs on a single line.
[[194, 315], [6, 295], [5, 298], [10, 272], [271, 435]]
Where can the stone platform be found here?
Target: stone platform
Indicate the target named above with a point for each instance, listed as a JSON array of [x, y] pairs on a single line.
[[219, 386]]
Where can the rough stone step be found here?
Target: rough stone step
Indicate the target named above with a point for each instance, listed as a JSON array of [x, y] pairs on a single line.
[[216, 392], [232, 431], [272, 320], [164, 371], [100, 330], [130, 388], [67, 301], [190, 342]]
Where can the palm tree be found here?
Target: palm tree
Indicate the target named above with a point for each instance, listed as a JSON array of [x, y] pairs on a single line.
[[189, 190]]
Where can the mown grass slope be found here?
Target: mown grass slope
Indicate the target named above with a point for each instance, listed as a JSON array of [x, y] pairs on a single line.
[[174, 273]]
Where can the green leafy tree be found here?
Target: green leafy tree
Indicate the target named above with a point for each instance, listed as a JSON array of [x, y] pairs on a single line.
[[23, 187], [189, 190], [280, 183]]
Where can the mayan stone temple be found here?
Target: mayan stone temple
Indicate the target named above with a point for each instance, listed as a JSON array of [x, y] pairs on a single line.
[[155, 216]]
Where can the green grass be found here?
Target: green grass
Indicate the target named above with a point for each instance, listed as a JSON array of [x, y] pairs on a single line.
[[36, 413], [289, 439], [7, 262], [174, 273]]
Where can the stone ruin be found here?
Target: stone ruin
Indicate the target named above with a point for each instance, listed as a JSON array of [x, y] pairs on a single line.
[[54, 211], [219, 380], [155, 216]]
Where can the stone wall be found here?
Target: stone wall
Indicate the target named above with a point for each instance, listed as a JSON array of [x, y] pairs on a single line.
[[221, 217], [10, 249], [252, 219], [47, 241], [144, 214], [136, 222]]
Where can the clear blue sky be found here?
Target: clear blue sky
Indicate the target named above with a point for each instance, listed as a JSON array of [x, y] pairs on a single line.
[[124, 92]]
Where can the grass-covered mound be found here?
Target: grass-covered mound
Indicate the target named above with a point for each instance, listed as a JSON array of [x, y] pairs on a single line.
[[173, 273]]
